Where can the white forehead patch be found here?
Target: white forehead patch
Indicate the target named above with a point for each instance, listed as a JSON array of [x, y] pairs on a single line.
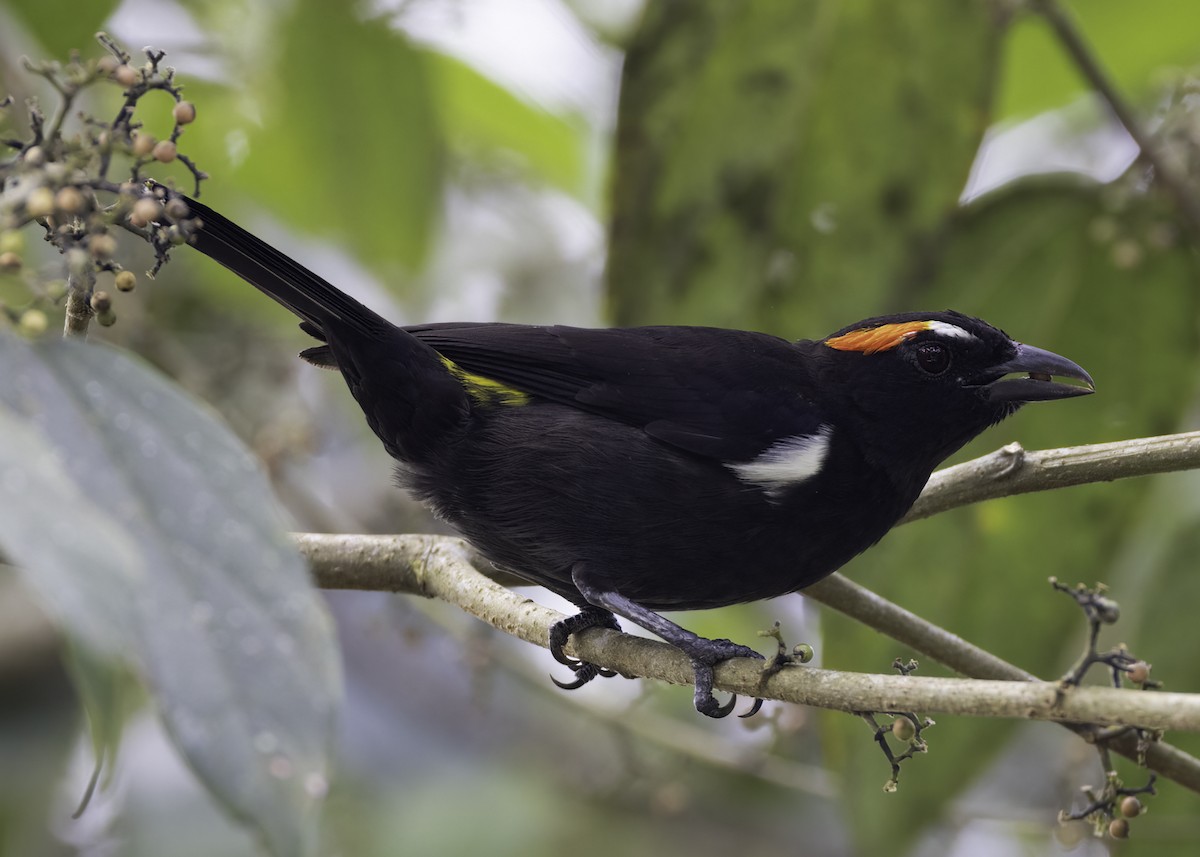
[[786, 462], [951, 330]]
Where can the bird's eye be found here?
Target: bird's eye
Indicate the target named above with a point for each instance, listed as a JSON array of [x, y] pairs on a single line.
[[933, 357]]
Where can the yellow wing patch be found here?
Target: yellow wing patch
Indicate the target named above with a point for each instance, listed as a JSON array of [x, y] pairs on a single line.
[[872, 340], [485, 391]]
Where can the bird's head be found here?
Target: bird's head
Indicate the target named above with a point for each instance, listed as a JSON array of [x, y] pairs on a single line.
[[929, 382]]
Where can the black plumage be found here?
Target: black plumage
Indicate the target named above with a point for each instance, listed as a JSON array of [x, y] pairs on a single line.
[[659, 468]]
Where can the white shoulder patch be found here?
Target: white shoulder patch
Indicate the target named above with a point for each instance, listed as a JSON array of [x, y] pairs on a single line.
[[945, 328], [786, 462]]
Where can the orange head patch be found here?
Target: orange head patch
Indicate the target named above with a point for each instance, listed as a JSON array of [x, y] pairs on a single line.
[[872, 340]]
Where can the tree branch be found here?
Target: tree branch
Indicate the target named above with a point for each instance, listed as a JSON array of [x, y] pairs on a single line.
[[1012, 470], [950, 650], [439, 567], [442, 568]]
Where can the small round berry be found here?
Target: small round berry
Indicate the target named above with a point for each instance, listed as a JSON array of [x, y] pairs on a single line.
[[125, 281], [125, 75], [40, 203], [184, 113], [106, 319], [177, 209], [101, 302], [903, 729], [1139, 673], [1131, 807], [144, 211], [1118, 828], [143, 144], [33, 322], [35, 156], [10, 261], [165, 151], [69, 200], [102, 246]]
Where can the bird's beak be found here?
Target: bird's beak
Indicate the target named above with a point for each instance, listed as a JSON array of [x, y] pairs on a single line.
[[1038, 385]]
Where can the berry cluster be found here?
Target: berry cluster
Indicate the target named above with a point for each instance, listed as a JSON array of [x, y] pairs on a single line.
[[59, 177]]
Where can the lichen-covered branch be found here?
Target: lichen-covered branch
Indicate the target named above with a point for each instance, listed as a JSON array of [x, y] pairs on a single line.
[[440, 567]]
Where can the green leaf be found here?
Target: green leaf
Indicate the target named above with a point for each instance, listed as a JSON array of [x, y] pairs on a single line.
[[137, 505], [483, 117], [61, 26], [778, 163], [87, 566], [350, 141], [108, 693]]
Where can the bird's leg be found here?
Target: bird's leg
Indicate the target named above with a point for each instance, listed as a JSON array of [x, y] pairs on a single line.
[[589, 616], [702, 652]]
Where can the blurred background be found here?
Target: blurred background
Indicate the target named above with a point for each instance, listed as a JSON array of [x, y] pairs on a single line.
[[783, 167]]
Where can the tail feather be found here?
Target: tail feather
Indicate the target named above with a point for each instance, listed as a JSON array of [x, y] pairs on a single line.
[[409, 397], [309, 296]]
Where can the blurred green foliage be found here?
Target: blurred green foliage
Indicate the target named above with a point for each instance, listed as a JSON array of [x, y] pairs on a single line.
[[779, 167], [834, 196], [788, 167], [1141, 49]]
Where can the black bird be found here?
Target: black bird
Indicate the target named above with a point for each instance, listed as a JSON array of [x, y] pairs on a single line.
[[633, 470]]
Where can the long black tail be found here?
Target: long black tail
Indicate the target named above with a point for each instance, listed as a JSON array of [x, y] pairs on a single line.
[[278, 276], [410, 399]]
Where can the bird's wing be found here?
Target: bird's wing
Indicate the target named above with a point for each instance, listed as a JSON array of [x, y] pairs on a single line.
[[723, 394]]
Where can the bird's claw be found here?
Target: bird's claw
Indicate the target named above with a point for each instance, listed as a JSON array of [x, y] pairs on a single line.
[[711, 708], [754, 709], [584, 672], [711, 653], [560, 632], [704, 654]]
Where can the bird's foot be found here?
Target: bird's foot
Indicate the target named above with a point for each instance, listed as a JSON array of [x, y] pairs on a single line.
[[560, 632], [705, 654]]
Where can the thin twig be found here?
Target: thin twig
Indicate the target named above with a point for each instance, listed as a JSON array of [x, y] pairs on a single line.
[[863, 605], [79, 309]]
